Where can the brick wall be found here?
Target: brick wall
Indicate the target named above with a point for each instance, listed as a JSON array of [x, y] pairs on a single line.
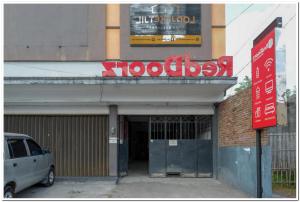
[[235, 121]]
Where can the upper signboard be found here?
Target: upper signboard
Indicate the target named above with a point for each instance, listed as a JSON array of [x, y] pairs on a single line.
[[165, 24]]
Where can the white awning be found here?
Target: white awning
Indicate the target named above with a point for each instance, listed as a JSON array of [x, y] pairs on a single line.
[[133, 95]]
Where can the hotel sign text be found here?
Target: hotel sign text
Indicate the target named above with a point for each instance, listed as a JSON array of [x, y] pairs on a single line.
[[173, 66]]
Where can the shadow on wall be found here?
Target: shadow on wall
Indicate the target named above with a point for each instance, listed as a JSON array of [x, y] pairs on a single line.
[[237, 167]]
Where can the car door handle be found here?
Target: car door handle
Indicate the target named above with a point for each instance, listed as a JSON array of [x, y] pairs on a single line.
[[15, 164], [34, 160]]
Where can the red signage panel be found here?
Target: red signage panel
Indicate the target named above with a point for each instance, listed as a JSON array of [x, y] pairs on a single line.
[[264, 82]]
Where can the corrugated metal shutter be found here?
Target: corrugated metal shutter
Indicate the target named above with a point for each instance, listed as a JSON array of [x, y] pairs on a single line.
[[79, 142]]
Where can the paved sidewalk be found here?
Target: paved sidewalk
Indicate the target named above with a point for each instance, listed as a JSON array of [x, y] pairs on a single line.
[[145, 187], [70, 189], [135, 187]]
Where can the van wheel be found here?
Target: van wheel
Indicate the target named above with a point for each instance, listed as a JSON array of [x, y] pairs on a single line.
[[9, 192], [50, 178]]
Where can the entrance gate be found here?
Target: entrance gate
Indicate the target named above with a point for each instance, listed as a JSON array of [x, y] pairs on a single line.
[[180, 145]]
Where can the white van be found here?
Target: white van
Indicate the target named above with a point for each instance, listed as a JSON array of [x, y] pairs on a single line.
[[25, 164]]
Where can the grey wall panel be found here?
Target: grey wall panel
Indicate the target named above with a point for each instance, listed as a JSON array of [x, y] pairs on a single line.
[[54, 32], [113, 140], [123, 158], [188, 157], [237, 167], [203, 52], [157, 158], [215, 141], [79, 143], [173, 159], [205, 158]]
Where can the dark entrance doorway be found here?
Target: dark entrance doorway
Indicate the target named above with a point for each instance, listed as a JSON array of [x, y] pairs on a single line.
[[138, 139]]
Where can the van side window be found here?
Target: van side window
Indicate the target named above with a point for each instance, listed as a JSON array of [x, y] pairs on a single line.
[[18, 148], [11, 154], [34, 148]]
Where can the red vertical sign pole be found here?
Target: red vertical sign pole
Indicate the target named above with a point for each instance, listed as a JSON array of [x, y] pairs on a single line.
[[264, 83], [263, 89]]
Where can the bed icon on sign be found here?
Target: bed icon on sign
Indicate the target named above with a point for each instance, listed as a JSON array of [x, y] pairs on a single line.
[[269, 108], [269, 86]]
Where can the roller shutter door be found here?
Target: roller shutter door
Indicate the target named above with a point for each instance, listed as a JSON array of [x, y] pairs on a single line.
[[79, 143]]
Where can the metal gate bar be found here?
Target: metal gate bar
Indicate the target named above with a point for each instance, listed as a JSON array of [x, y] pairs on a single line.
[[157, 146], [188, 147], [174, 133], [204, 143]]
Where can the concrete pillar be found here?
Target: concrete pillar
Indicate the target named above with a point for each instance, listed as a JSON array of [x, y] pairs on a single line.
[[215, 140], [113, 140]]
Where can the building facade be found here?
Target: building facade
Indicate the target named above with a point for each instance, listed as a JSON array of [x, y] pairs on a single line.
[[110, 87]]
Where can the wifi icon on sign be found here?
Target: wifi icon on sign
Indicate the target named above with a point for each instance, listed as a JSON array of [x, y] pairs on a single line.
[[268, 63]]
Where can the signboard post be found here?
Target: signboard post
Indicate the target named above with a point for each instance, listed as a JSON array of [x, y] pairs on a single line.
[[266, 91]]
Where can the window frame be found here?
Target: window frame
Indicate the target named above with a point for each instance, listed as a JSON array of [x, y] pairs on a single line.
[[10, 151], [34, 142], [10, 146]]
